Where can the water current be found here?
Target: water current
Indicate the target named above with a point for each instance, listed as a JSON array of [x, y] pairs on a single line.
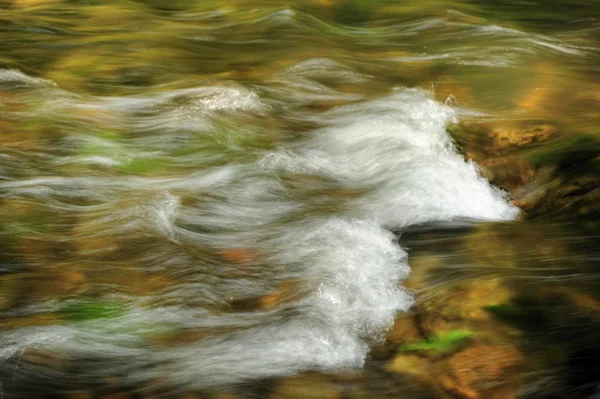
[[223, 197]]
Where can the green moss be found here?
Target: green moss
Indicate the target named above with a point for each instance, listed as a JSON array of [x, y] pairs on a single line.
[[108, 144], [444, 343]]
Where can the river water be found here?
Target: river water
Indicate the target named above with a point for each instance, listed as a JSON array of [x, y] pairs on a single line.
[[267, 199]]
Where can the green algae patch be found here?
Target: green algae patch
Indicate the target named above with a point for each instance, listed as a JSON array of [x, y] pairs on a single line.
[[142, 165], [106, 143], [109, 144], [443, 343], [92, 310]]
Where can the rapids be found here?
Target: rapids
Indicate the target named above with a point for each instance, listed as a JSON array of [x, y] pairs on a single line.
[[389, 164]]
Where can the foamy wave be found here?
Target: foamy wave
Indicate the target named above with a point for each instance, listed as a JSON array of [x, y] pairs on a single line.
[[394, 152]]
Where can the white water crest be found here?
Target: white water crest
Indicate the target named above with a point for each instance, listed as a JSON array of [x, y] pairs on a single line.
[[317, 210]]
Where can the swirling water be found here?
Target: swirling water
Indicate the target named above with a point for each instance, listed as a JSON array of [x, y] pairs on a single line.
[[197, 196]]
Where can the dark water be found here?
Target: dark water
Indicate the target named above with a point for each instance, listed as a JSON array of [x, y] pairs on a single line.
[[319, 199]]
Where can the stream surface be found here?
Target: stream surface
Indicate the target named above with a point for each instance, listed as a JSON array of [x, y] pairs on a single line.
[[341, 199]]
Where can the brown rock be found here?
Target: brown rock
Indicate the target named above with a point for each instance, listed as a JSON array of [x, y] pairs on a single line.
[[519, 135], [405, 329], [482, 371], [510, 173], [414, 377], [528, 196]]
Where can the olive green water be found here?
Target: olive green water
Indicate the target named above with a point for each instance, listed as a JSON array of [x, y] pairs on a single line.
[[111, 111]]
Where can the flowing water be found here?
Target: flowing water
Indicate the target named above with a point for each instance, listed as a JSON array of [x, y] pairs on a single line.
[[342, 199]]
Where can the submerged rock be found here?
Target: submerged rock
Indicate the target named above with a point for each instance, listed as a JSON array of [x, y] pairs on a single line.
[[405, 329], [569, 171], [306, 386], [460, 307], [482, 371], [510, 173], [520, 135], [560, 338]]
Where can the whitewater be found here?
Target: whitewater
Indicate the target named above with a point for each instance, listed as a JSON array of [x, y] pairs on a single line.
[[318, 210]]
